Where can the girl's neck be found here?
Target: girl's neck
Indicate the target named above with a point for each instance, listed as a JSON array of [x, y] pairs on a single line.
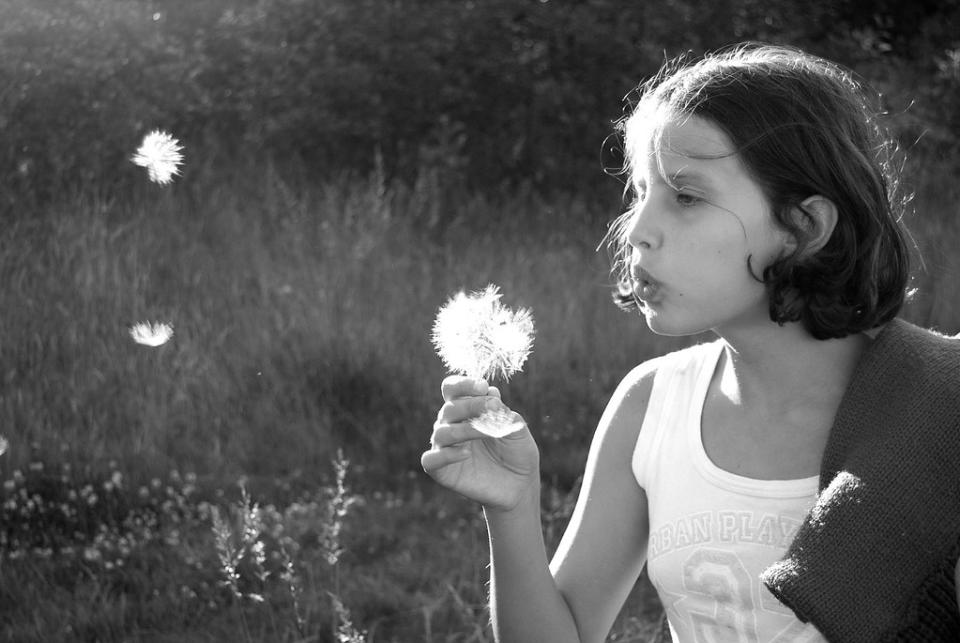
[[778, 367]]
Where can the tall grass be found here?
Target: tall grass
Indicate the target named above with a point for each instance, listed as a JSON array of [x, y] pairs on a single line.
[[935, 224], [301, 315]]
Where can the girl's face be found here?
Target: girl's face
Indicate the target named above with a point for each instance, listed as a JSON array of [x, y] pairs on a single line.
[[697, 219]]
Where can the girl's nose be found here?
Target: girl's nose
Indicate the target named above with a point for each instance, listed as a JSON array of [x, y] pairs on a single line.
[[641, 232]]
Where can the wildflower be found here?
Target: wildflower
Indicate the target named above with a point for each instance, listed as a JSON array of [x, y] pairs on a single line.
[[346, 631], [339, 500], [479, 337], [172, 538], [151, 334], [160, 154]]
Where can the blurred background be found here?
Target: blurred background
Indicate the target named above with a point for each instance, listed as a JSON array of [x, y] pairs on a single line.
[[349, 165]]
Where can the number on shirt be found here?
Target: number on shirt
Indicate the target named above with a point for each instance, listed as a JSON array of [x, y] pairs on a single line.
[[721, 577]]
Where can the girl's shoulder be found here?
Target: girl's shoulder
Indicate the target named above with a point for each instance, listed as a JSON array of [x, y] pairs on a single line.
[[619, 428], [675, 361], [635, 388]]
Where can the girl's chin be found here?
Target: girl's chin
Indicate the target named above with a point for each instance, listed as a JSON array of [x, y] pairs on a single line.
[[660, 324]]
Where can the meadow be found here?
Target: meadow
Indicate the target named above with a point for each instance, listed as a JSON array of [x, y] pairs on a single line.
[[257, 477]]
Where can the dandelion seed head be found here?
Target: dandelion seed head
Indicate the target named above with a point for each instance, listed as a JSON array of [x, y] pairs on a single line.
[[497, 423], [477, 336], [151, 333], [160, 154]]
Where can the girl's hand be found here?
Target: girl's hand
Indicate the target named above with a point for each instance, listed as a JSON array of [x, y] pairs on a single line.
[[496, 472]]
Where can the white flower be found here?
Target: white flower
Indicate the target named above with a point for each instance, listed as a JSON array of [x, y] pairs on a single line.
[[479, 337], [160, 154], [151, 334]]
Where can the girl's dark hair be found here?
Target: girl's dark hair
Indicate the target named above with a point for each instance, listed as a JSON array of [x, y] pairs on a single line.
[[802, 126]]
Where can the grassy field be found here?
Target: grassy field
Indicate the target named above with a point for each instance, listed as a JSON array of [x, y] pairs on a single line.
[[194, 491]]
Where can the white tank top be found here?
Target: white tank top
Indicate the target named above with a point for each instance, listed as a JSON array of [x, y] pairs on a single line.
[[711, 531]]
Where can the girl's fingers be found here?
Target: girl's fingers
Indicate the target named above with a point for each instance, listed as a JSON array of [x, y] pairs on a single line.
[[446, 435], [455, 386], [464, 408], [435, 459]]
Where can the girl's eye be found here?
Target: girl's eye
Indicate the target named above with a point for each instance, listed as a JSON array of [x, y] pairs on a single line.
[[686, 199]]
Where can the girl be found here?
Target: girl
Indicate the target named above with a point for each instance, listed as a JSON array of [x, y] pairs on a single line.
[[798, 479]]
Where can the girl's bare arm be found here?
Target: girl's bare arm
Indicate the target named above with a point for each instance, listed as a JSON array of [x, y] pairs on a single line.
[[576, 598], [604, 547], [602, 551]]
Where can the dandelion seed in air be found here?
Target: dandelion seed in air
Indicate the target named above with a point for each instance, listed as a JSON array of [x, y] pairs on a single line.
[[151, 334], [477, 336], [160, 154], [4, 445]]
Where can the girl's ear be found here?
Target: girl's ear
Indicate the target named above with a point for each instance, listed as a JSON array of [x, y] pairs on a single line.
[[817, 216]]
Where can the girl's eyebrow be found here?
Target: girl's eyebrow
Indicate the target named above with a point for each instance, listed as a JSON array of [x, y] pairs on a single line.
[[687, 174]]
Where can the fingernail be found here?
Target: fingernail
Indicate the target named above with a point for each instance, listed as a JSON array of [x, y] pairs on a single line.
[[493, 404]]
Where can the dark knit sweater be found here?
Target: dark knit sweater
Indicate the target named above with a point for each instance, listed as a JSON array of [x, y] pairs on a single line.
[[874, 560]]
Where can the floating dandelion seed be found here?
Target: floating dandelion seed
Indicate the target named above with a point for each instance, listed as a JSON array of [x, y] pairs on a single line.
[[160, 154], [477, 336], [151, 334], [4, 445]]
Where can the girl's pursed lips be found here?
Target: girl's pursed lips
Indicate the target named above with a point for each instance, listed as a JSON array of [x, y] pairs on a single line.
[[642, 276], [645, 286]]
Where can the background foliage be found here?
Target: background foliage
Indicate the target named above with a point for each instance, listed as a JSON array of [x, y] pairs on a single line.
[[488, 93]]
